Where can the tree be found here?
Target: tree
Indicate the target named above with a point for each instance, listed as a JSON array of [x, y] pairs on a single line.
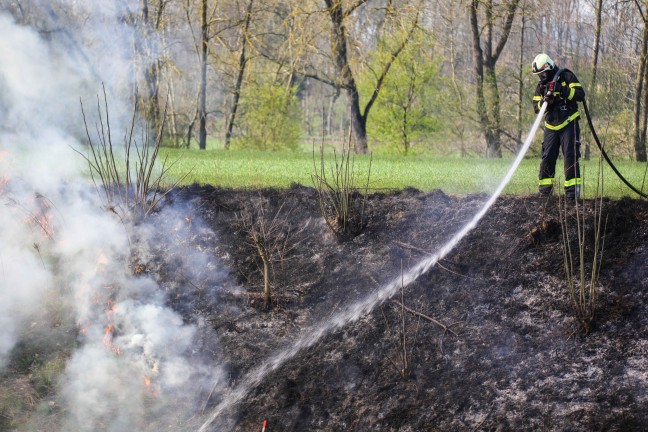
[[521, 72], [239, 76], [410, 102], [640, 83], [151, 23], [270, 117], [485, 58], [598, 14], [202, 103], [339, 46]]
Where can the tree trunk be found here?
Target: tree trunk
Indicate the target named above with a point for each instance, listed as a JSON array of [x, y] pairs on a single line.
[[239, 77], [598, 11], [494, 138], [151, 73], [202, 104], [331, 109], [639, 144], [521, 70], [644, 119], [485, 60], [346, 79], [173, 115]]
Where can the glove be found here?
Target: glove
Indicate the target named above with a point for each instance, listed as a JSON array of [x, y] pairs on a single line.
[[549, 96]]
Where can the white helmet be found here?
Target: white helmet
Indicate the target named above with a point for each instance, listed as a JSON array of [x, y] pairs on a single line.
[[542, 63]]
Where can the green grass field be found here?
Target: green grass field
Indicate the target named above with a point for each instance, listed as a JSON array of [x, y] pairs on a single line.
[[250, 169]]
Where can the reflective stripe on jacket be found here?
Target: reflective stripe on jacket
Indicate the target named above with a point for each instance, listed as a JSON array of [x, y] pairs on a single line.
[[565, 109]]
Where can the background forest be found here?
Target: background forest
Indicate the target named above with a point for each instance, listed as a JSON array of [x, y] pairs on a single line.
[[447, 77]]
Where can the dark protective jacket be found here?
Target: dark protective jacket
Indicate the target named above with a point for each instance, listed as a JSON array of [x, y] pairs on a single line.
[[567, 92]]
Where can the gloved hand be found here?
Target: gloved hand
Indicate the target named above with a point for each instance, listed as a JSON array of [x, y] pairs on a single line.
[[550, 95]]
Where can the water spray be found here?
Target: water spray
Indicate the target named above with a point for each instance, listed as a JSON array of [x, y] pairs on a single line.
[[361, 308]]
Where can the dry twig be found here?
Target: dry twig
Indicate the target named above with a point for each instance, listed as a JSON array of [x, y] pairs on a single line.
[[429, 318]]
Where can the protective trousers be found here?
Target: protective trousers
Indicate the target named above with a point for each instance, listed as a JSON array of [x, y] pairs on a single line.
[[567, 138]]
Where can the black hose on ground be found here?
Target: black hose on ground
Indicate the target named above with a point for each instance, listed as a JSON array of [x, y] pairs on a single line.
[[607, 159]]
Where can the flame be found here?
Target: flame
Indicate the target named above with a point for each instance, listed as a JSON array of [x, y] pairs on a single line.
[[149, 386], [45, 223], [42, 216], [108, 340]]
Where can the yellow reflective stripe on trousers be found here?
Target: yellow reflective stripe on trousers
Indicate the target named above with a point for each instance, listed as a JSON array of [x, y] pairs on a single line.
[[565, 123], [573, 182], [546, 181]]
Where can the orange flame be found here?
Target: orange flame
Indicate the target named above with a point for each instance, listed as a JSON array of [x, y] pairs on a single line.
[[149, 386], [108, 340]]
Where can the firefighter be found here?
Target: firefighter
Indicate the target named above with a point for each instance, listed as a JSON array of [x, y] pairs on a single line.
[[561, 90]]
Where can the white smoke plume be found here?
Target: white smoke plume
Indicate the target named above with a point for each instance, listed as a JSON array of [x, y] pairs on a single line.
[[133, 367]]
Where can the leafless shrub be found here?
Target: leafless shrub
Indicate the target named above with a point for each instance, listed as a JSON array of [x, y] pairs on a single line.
[[581, 275], [270, 237], [131, 185], [341, 203], [403, 345]]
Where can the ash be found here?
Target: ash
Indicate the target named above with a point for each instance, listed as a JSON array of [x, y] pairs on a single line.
[[505, 353]]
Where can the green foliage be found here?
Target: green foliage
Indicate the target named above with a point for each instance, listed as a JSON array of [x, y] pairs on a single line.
[[45, 375], [270, 118], [617, 135], [411, 100]]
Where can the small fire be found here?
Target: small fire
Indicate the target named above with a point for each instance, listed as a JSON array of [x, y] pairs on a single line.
[[108, 340], [149, 386], [42, 217]]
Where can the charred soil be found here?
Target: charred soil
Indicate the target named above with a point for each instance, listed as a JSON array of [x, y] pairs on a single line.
[[485, 340]]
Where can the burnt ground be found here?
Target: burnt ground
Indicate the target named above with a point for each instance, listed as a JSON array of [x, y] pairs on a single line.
[[512, 355]]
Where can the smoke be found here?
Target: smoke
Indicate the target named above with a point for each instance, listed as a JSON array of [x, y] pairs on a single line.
[[65, 259]]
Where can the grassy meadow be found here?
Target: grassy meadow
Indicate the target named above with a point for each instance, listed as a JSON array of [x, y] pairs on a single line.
[[255, 169]]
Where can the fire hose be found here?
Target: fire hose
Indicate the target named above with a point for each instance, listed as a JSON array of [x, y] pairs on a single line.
[[605, 156], [598, 142], [596, 138]]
